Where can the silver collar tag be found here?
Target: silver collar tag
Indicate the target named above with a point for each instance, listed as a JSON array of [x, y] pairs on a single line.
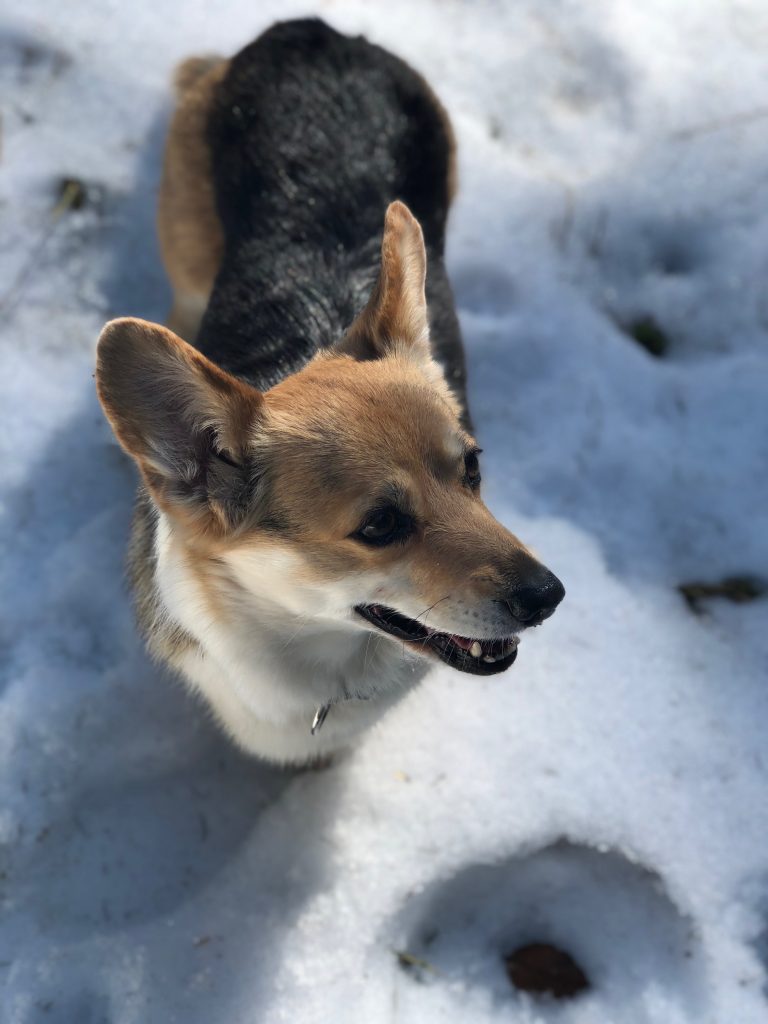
[[322, 712], [320, 716]]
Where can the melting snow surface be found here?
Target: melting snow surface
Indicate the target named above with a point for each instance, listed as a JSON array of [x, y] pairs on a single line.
[[610, 793]]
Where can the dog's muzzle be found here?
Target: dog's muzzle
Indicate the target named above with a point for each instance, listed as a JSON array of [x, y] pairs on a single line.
[[479, 657]]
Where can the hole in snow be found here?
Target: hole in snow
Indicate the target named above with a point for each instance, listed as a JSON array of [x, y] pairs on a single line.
[[759, 900], [26, 58], [647, 333], [761, 947], [635, 244], [600, 923], [483, 289]]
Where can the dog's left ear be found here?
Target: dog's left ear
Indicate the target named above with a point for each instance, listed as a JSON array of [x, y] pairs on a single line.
[[186, 423], [396, 313]]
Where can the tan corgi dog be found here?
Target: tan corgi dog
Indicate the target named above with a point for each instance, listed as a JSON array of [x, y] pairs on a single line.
[[309, 534]]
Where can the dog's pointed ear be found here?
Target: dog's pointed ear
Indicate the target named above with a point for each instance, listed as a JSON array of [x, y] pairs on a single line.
[[396, 313], [185, 422]]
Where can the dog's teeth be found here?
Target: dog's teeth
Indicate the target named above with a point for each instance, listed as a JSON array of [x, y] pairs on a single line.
[[488, 658], [475, 650]]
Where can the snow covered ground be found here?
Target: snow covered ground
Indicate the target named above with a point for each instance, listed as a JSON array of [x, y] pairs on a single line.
[[610, 793]]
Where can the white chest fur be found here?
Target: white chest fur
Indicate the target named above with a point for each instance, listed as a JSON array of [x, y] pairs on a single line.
[[271, 652]]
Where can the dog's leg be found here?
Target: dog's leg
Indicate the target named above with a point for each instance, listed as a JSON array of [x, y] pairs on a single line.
[[191, 241]]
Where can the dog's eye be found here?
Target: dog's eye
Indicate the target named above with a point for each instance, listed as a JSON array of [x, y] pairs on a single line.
[[472, 469], [385, 526]]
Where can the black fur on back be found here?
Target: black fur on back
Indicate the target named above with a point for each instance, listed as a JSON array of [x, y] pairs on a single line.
[[312, 134]]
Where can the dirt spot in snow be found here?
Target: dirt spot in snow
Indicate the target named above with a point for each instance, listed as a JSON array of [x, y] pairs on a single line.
[[542, 969]]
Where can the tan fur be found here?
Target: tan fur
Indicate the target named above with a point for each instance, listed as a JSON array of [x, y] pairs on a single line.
[[397, 309], [191, 241], [453, 167], [164, 399], [405, 434]]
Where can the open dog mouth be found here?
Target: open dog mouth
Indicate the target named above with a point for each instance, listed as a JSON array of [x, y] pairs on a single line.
[[480, 657]]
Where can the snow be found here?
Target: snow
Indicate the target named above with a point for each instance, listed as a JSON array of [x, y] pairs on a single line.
[[608, 794]]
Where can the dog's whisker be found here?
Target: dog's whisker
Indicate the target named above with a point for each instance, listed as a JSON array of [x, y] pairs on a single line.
[[365, 654], [303, 619], [430, 608]]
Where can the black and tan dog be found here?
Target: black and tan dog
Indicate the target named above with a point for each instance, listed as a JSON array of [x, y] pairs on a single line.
[[310, 532]]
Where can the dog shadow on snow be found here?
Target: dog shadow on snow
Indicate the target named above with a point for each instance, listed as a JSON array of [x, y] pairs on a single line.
[[142, 828]]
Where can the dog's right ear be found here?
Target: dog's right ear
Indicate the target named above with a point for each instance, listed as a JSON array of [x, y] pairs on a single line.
[[395, 316], [185, 422]]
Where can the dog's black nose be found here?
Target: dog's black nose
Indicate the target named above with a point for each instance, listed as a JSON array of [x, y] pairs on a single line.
[[536, 598]]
